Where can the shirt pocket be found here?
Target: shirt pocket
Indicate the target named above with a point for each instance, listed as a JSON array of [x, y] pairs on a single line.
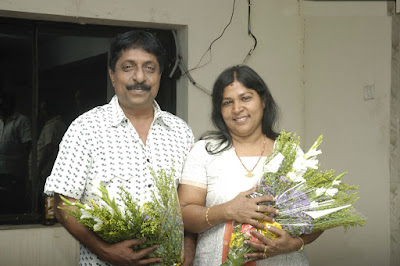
[[113, 181]]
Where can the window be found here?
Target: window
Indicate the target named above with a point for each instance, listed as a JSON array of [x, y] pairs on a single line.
[[51, 73]]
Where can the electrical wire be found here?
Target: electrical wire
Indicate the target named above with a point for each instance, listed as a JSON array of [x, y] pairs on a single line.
[[185, 71], [209, 48], [251, 34], [179, 63], [177, 54]]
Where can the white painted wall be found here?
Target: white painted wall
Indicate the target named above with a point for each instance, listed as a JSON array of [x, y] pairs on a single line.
[[38, 246], [317, 82], [348, 46]]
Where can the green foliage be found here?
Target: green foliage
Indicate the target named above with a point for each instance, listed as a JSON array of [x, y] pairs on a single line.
[[159, 220]]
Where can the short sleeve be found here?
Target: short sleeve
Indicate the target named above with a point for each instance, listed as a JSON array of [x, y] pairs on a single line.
[[195, 171], [73, 163], [25, 130]]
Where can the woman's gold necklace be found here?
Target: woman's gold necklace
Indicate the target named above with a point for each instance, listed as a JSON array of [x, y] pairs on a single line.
[[250, 172]]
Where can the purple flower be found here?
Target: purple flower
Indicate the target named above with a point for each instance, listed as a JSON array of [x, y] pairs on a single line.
[[291, 206], [283, 178]]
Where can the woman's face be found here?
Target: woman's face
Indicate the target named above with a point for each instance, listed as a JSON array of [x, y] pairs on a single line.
[[242, 110]]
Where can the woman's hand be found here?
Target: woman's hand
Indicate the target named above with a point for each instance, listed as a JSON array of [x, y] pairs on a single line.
[[283, 243], [243, 209], [197, 218]]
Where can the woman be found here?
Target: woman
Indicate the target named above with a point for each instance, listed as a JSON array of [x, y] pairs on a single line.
[[224, 167]]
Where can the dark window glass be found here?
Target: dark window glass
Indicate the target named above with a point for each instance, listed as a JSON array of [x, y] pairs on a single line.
[[15, 117]]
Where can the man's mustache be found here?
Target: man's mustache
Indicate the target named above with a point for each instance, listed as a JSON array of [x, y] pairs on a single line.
[[138, 86]]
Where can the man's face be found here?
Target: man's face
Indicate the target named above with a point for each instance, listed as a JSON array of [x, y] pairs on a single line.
[[136, 79]]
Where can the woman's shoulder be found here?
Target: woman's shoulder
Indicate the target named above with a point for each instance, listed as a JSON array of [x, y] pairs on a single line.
[[199, 147], [209, 146]]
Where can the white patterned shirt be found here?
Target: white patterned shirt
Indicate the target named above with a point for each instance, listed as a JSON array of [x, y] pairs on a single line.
[[103, 146]]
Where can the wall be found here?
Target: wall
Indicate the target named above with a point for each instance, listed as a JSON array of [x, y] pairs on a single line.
[[394, 141], [38, 245], [315, 56], [348, 46]]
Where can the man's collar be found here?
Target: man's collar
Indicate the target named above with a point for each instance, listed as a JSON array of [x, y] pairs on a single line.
[[118, 116]]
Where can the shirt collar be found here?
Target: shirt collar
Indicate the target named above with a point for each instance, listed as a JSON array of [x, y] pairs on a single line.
[[118, 116]]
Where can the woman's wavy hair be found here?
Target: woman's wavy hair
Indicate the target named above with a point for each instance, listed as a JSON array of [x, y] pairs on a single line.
[[251, 80]]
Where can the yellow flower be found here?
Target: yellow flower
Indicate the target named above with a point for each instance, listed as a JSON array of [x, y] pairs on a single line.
[[236, 239], [268, 233]]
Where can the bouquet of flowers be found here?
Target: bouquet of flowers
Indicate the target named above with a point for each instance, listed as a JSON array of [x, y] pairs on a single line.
[[159, 220], [308, 199]]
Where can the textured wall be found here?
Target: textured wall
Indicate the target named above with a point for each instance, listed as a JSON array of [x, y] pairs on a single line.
[[38, 246], [395, 142], [347, 47]]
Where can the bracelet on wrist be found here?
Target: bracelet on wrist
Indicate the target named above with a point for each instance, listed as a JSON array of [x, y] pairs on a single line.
[[302, 243], [208, 221]]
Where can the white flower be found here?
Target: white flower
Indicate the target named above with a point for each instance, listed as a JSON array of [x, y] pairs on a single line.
[[314, 204], [98, 225], [320, 191], [332, 191], [299, 164], [295, 177], [274, 164], [312, 153], [299, 151], [86, 214], [336, 182], [312, 163]]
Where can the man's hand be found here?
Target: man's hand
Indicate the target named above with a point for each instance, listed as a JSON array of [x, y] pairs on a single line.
[[121, 253]]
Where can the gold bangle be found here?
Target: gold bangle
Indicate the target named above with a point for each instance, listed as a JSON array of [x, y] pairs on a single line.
[[302, 243], [208, 209]]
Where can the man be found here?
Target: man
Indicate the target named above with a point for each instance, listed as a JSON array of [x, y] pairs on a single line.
[[49, 139], [15, 145], [116, 143]]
